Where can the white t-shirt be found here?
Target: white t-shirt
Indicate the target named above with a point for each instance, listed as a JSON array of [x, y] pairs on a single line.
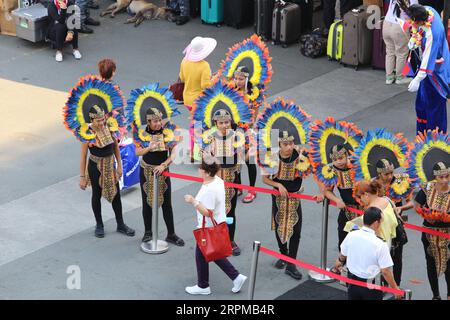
[[212, 196], [392, 17], [366, 253]]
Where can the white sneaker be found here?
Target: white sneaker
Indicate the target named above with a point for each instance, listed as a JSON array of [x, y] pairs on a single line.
[[238, 283], [197, 290], [77, 54], [59, 56], [402, 80]]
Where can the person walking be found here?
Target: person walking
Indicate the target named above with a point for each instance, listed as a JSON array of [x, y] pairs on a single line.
[[210, 202]]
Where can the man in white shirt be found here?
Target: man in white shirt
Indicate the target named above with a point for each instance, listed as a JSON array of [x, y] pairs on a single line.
[[366, 255]]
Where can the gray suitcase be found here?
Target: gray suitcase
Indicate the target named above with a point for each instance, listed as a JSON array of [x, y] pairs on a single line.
[[358, 38], [286, 23], [31, 22]]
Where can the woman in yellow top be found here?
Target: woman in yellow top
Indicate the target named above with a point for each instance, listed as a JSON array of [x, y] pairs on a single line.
[[195, 72], [367, 193]]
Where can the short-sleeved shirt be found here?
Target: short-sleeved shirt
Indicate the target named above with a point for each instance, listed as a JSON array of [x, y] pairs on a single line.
[[196, 77], [366, 253], [212, 196]]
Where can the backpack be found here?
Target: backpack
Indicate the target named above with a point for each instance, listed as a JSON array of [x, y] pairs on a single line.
[[313, 45]]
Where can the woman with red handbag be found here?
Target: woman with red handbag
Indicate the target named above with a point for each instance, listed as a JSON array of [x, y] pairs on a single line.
[[210, 202]]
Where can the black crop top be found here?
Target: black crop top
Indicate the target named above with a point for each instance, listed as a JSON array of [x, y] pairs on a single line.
[[106, 151]]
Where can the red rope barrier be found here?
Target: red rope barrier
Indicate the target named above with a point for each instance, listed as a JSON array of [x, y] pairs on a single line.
[[331, 274], [300, 196]]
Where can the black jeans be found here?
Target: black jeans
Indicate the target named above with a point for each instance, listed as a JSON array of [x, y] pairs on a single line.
[[58, 34], [167, 210], [397, 258], [252, 173], [94, 176], [342, 220], [361, 293]]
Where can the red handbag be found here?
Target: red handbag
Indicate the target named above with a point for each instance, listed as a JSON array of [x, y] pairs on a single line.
[[214, 242], [177, 90]]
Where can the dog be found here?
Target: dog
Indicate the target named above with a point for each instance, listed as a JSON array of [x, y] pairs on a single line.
[[145, 10], [115, 8]]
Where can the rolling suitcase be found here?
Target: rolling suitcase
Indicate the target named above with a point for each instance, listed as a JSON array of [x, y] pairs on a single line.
[[358, 39], [379, 48], [286, 23], [212, 11], [238, 13], [334, 44], [263, 18]]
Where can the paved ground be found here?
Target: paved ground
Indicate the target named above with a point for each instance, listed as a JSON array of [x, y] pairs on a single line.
[[47, 224]]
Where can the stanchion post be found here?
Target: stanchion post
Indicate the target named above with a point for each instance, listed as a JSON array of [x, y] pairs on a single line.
[[252, 282], [155, 246], [155, 212], [408, 294], [318, 277]]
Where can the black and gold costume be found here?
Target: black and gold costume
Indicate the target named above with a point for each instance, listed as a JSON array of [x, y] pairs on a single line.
[[225, 150], [430, 159], [150, 161], [102, 176], [287, 211], [345, 184], [437, 249]]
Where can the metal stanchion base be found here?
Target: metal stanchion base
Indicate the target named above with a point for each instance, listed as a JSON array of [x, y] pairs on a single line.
[[161, 247], [318, 277]]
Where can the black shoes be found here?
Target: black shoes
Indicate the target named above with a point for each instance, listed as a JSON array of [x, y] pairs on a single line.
[[176, 240], [99, 231], [292, 271], [123, 228], [280, 264], [235, 248], [147, 236], [92, 22], [94, 6], [182, 20], [436, 298], [85, 29]]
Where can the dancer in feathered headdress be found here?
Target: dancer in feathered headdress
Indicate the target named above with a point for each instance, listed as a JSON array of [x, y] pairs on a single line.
[[253, 55], [378, 155], [430, 165], [149, 113], [331, 144], [94, 114], [284, 125], [248, 68], [219, 114]]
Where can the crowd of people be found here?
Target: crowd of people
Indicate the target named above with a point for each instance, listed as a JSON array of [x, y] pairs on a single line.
[[231, 127]]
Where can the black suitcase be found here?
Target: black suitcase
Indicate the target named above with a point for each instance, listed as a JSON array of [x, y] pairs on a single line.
[[286, 23], [263, 18], [238, 13], [194, 8]]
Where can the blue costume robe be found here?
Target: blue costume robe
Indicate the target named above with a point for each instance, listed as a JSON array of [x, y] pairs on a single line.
[[431, 100]]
